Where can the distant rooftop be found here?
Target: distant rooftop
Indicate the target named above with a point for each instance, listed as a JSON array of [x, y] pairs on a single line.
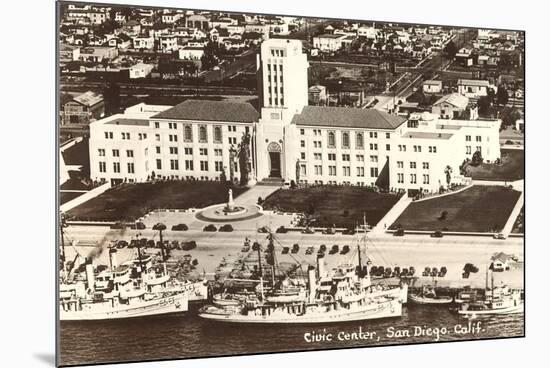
[[427, 135], [89, 98], [330, 35], [347, 117], [124, 121], [473, 82], [205, 110], [454, 99]]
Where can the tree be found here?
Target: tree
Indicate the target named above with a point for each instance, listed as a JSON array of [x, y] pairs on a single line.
[[502, 96], [160, 227], [450, 50], [210, 58], [477, 159]]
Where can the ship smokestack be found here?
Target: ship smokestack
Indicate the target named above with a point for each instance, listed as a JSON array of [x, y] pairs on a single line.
[[112, 258], [321, 267], [90, 277], [312, 282]]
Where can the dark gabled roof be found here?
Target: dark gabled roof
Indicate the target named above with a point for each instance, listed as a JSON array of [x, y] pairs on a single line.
[[347, 117], [204, 110]]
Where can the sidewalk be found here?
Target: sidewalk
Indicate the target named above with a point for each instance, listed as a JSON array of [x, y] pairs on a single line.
[[392, 215], [507, 229], [250, 197]]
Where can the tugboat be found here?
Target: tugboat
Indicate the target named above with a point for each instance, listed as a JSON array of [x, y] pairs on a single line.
[[132, 289], [428, 296], [497, 300]]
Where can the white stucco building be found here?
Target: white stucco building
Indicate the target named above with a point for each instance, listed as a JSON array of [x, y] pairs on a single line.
[[289, 140]]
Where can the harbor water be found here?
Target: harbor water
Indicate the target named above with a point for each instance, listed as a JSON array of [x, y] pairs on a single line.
[[186, 335]]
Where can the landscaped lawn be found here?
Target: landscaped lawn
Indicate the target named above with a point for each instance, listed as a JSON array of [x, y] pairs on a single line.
[[480, 208], [512, 167], [342, 206], [131, 201]]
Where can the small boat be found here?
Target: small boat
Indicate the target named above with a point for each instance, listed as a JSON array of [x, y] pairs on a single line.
[[499, 300], [428, 296]]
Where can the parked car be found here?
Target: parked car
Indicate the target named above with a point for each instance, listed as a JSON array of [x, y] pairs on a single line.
[[140, 225], [174, 245], [121, 244], [150, 243], [210, 228], [329, 231], [308, 230], [188, 245], [227, 228], [499, 236], [335, 249], [180, 227], [295, 249], [436, 234], [323, 248], [310, 250], [118, 225], [399, 232], [285, 250], [263, 230], [345, 249], [281, 230], [349, 231]]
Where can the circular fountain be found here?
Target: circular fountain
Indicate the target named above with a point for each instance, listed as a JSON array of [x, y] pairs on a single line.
[[229, 211]]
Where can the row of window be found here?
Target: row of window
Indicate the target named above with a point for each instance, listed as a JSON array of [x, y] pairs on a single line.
[[416, 148], [412, 165], [345, 157], [412, 178], [469, 138], [116, 153], [125, 135], [469, 149], [319, 144], [345, 171], [174, 165]]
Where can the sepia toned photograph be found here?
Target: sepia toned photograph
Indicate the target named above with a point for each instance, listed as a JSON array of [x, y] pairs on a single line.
[[244, 183]]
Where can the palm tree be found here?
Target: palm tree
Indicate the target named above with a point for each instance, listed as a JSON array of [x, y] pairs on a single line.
[[448, 171], [160, 227]]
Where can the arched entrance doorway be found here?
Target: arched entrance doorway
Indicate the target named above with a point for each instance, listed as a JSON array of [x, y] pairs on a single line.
[[274, 150]]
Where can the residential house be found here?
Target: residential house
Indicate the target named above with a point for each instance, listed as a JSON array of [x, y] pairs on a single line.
[[198, 21], [451, 106], [84, 109], [143, 42], [464, 56], [367, 32], [501, 262], [191, 53], [98, 54], [472, 88], [140, 70], [168, 43], [122, 41], [432, 86], [328, 42], [68, 53]]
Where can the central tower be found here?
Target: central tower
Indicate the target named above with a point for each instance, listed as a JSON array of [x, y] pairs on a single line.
[[282, 88]]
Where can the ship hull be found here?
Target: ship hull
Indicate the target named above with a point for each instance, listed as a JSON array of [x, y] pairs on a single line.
[[388, 309], [508, 310], [416, 299], [171, 304]]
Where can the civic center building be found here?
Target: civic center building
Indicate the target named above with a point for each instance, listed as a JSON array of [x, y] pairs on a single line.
[[288, 139]]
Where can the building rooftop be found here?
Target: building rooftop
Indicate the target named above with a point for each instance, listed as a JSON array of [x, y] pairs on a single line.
[[454, 99], [433, 82], [347, 117], [125, 121], [330, 35], [427, 135], [89, 98], [205, 110], [473, 82]]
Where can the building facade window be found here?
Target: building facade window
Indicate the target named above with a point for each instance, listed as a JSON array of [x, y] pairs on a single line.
[[359, 141], [116, 153], [174, 164], [101, 152], [102, 166], [203, 137], [159, 164], [173, 150], [130, 167], [188, 133], [331, 139], [360, 171], [129, 153], [374, 172], [217, 134], [189, 165], [116, 167], [204, 165], [345, 140], [332, 170]]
